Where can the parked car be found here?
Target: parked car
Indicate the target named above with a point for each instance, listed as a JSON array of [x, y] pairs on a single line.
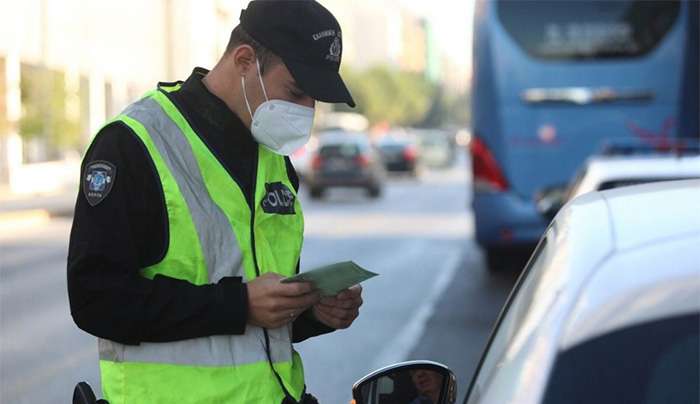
[[606, 310], [437, 147], [623, 165], [345, 159], [400, 154]]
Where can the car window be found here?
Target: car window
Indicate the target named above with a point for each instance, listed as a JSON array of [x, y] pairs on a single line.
[[510, 319], [392, 145], [365, 147], [339, 150], [652, 363], [636, 181], [584, 29]]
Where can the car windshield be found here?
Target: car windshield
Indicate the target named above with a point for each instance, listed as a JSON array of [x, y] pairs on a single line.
[[584, 29], [627, 366]]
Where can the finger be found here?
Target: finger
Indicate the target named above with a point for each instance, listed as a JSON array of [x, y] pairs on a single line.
[[302, 302], [282, 318], [294, 289], [332, 320], [341, 304], [327, 320], [350, 293], [336, 322], [329, 300], [346, 303], [290, 315], [339, 314]]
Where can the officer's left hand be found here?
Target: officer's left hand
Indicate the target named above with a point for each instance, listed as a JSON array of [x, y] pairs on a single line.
[[340, 310]]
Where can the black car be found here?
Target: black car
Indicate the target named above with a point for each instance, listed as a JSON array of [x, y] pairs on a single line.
[[400, 155], [345, 159]]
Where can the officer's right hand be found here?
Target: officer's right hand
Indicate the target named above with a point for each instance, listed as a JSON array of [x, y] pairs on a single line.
[[272, 304]]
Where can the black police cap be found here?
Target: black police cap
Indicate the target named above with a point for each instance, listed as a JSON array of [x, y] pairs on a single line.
[[307, 38]]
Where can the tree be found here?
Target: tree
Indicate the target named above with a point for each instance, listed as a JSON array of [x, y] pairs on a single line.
[[385, 94]]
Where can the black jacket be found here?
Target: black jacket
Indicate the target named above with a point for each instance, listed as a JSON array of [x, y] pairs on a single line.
[[128, 230]]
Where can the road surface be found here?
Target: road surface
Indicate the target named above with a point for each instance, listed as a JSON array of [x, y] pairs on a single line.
[[433, 299]]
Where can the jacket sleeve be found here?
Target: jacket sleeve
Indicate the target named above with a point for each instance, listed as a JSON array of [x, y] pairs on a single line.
[[126, 231], [306, 326]]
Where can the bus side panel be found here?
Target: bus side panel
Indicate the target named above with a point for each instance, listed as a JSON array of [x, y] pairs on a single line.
[[690, 87], [501, 218]]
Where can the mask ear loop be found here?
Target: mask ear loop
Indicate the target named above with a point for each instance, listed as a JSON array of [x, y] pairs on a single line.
[[262, 85], [261, 81], [245, 97]]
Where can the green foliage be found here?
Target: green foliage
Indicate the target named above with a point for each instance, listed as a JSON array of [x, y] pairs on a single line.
[[44, 108], [385, 94], [458, 109]]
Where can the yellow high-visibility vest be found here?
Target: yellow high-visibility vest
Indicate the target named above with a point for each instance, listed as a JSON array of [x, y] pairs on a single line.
[[213, 233]]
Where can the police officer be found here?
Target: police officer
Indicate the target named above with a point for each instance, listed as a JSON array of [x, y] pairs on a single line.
[[187, 219]]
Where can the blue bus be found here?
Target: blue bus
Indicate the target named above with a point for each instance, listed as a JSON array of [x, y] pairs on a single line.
[[553, 80]]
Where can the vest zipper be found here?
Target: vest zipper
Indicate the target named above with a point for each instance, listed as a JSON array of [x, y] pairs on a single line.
[[253, 208]]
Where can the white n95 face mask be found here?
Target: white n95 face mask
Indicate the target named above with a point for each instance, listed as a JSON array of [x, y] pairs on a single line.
[[281, 126]]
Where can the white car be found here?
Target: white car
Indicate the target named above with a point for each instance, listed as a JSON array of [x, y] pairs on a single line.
[[602, 172], [606, 311], [607, 172]]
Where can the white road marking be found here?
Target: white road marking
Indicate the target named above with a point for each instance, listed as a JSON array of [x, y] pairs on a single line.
[[383, 224], [398, 349]]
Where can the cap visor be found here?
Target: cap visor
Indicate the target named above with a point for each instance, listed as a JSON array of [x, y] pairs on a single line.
[[320, 84]]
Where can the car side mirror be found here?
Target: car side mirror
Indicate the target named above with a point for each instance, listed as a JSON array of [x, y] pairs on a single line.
[[83, 394], [415, 382]]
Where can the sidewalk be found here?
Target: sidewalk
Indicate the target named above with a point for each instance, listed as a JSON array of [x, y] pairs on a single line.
[[20, 211]]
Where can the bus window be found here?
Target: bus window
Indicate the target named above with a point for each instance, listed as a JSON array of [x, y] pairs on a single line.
[[588, 29]]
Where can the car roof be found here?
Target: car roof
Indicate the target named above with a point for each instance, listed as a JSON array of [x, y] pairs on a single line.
[[609, 260], [602, 169], [338, 137], [655, 234], [640, 165], [645, 213], [624, 167]]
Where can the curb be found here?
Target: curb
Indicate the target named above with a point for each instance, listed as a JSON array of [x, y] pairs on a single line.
[[22, 219]]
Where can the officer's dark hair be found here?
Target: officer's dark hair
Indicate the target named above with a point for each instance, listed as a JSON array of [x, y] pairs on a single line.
[[265, 56]]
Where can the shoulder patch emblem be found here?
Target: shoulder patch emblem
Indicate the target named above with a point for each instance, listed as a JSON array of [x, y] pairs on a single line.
[[278, 199], [98, 181]]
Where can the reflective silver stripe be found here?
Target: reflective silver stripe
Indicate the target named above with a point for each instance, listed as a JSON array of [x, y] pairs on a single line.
[[219, 350], [222, 255], [218, 241]]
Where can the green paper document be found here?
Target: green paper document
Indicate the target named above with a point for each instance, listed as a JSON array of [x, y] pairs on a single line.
[[332, 279]]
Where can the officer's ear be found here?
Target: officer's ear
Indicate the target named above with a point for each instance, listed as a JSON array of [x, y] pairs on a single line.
[[243, 58]]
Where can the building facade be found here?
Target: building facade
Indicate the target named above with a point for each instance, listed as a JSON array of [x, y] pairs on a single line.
[[68, 66]]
